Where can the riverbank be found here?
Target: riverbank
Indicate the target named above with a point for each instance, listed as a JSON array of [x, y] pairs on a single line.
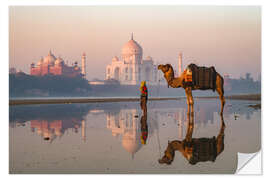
[[256, 97], [74, 100], [252, 97]]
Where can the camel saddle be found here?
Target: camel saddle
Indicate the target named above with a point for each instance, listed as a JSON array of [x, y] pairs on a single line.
[[204, 149], [203, 77]]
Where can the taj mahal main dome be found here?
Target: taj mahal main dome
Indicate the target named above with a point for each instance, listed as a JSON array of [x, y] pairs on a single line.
[[131, 48], [130, 68]]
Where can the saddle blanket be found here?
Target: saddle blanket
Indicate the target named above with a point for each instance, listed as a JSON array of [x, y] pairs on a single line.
[[203, 77]]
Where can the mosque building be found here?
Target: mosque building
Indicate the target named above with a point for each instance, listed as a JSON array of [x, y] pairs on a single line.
[[56, 66], [50, 130], [131, 68]]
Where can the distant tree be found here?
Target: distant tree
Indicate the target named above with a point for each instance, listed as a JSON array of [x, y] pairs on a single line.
[[112, 81], [19, 83], [12, 70]]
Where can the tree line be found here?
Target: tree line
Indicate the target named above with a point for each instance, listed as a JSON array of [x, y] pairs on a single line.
[[21, 84]]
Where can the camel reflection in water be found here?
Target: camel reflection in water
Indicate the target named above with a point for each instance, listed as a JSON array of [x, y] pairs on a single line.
[[195, 149], [123, 120]]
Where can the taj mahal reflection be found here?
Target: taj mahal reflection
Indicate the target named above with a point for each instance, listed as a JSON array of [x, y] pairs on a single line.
[[126, 123]]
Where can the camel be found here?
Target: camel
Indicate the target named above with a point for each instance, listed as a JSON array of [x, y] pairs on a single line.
[[177, 82], [195, 149]]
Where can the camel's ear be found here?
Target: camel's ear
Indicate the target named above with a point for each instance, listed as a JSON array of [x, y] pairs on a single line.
[[169, 142]]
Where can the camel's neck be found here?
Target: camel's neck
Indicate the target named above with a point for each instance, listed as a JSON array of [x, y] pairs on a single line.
[[176, 145], [179, 146], [172, 81]]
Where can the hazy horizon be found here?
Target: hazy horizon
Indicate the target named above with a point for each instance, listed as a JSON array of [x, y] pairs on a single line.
[[227, 37]]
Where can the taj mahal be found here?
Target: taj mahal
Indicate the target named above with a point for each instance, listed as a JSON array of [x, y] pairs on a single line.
[[131, 68]]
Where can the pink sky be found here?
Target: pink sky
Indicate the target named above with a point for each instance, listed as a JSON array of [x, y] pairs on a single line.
[[228, 37]]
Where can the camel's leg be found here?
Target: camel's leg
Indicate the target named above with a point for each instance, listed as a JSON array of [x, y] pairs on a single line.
[[220, 137], [188, 104], [222, 99], [190, 101], [190, 127], [220, 90]]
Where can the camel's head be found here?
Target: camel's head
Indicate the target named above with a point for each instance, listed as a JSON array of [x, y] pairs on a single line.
[[164, 68], [168, 155], [168, 72]]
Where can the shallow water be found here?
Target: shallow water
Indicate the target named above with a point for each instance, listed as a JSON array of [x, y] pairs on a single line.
[[106, 137]]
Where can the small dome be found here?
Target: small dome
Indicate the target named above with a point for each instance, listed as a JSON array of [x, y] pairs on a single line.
[[39, 131], [59, 61], [50, 58], [58, 132], [115, 58], [40, 62], [114, 134], [47, 134], [148, 58], [131, 48]]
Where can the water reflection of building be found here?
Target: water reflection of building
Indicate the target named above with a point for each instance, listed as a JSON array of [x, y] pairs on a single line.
[[51, 121], [125, 123], [180, 117], [50, 130], [204, 114]]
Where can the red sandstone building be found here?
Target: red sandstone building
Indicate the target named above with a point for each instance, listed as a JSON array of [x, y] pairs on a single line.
[[57, 66], [50, 130]]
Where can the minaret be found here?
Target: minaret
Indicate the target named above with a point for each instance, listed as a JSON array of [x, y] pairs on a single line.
[[180, 64], [83, 126], [180, 118], [84, 65]]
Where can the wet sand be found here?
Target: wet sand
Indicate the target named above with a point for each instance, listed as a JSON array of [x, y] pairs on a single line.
[[98, 100], [255, 97]]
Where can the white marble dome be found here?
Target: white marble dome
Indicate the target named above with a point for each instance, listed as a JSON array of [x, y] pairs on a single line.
[[130, 143], [131, 48]]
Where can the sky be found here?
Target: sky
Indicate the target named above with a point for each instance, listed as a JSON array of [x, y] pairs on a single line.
[[227, 37]]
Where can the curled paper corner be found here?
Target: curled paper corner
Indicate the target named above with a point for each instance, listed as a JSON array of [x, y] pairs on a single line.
[[249, 163]]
